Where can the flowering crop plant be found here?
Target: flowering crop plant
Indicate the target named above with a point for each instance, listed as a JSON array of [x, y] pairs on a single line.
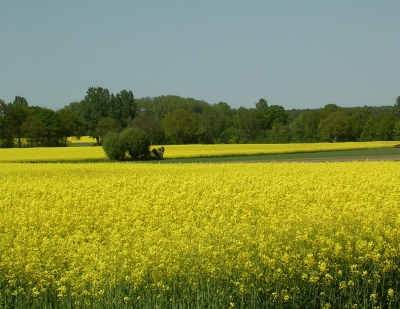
[[180, 151], [259, 235]]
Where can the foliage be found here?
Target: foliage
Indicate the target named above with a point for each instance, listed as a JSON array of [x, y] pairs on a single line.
[[122, 108], [17, 113], [277, 235], [151, 125], [94, 107], [105, 126], [396, 133], [136, 142], [34, 130], [71, 124], [113, 146], [335, 127], [385, 124], [176, 120], [180, 126], [246, 122], [6, 136]]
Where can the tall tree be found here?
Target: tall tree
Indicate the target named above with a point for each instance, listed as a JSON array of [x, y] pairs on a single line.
[[180, 126], [71, 124], [18, 111], [213, 124], [6, 136], [385, 124], [358, 118], [396, 133], [105, 126], [305, 127], [95, 106], [246, 124], [122, 107], [34, 130], [397, 107], [150, 124], [20, 101], [54, 126], [262, 105], [335, 127], [368, 132]]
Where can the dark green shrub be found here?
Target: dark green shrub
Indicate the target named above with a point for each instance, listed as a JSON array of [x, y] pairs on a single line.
[[113, 147], [136, 142]]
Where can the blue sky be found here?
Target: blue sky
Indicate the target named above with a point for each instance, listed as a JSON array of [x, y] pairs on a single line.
[[297, 54]]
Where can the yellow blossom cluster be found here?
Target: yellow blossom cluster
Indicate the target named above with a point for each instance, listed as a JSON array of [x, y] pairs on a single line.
[[260, 235]]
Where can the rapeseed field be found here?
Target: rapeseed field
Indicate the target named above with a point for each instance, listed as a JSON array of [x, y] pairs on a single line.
[[261, 235], [221, 150], [181, 151]]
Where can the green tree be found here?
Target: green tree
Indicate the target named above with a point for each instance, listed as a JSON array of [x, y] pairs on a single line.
[[94, 107], [357, 119], [54, 126], [276, 114], [385, 124], [34, 130], [397, 107], [122, 108], [369, 130], [113, 146], [105, 126], [304, 128], [180, 126], [71, 124], [270, 115], [213, 124], [163, 105], [20, 101], [246, 124], [6, 135], [136, 142], [335, 127], [151, 125], [396, 130], [262, 105], [18, 111]]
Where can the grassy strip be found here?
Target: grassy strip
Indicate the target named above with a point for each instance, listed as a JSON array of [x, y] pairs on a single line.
[[292, 156], [248, 158]]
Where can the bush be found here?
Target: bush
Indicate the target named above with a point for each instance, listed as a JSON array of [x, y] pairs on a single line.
[[113, 147], [136, 142]]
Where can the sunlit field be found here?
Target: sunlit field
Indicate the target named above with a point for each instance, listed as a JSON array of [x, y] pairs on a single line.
[[83, 139], [181, 151], [219, 150], [51, 154], [261, 235]]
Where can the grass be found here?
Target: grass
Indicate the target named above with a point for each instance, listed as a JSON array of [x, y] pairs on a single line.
[[292, 156]]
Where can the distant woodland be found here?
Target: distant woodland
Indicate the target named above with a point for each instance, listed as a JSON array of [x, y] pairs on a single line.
[[175, 120]]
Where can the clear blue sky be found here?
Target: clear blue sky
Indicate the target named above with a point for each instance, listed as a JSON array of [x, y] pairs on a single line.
[[297, 54]]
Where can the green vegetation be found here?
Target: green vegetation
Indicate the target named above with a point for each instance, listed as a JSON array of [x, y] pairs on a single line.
[[176, 120], [328, 155], [133, 141]]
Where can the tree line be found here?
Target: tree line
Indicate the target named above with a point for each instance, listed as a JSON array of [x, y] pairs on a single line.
[[175, 120]]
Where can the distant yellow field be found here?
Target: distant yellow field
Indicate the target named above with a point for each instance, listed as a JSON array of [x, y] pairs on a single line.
[[180, 151], [83, 139], [50, 154], [192, 151]]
